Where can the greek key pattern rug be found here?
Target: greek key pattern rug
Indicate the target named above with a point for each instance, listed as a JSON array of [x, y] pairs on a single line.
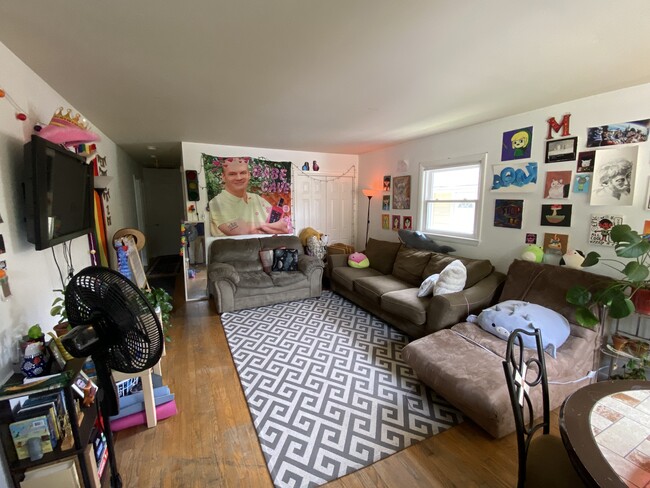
[[327, 388]]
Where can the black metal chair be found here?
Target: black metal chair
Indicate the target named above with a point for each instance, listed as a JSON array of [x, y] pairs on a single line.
[[543, 460]]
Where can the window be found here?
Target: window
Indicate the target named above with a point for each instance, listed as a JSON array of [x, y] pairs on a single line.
[[451, 198]]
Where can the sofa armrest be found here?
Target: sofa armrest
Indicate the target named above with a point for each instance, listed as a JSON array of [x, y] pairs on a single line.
[[336, 261], [447, 310], [307, 264], [223, 271]]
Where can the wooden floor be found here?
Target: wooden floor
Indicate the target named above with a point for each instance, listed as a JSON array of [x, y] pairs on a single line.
[[212, 441]]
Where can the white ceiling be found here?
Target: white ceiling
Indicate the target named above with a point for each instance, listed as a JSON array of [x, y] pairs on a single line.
[[343, 76]]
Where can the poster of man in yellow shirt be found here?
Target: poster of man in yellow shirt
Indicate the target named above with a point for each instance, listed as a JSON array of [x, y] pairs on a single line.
[[248, 196]]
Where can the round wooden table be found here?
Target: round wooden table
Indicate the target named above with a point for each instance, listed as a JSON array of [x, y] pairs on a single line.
[[577, 427]]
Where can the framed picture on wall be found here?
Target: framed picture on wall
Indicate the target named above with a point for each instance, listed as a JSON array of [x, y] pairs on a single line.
[[558, 150], [385, 202], [387, 183], [402, 192], [396, 220], [385, 221]]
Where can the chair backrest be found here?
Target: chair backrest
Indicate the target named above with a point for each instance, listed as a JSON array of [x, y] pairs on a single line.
[[525, 371]]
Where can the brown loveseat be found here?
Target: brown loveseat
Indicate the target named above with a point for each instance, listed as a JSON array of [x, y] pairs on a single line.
[[388, 287], [237, 280], [464, 363]]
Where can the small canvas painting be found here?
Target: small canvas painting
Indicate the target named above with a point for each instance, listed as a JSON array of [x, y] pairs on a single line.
[[396, 219], [556, 243], [586, 162], [385, 221], [600, 227], [385, 202], [387, 183], [407, 222], [531, 238], [517, 144], [508, 213], [556, 215], [557, 184], [581, 183]]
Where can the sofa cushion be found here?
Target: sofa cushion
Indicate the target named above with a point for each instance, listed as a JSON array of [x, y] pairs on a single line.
[[275, 242], [374, 287], [409, 265], [345, 276], [538, 283], [426, 288], [285, 260], [477, 269], [381, 254], [235, 250], [286, 278], [254, 279], [406, 303], [452, 278]]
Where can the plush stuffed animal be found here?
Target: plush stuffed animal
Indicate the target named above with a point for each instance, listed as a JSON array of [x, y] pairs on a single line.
[[502, 318], [308, 232], [572, 259], [358, 260], [533, 253]]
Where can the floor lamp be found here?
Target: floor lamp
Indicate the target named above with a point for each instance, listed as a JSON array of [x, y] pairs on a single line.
[[368, 193]]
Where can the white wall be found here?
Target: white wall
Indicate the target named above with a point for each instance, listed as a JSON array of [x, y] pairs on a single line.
[[501, 245], [33, 274], [330, 164]]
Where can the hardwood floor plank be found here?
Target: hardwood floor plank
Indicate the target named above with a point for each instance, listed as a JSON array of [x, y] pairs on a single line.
[[212, 440]]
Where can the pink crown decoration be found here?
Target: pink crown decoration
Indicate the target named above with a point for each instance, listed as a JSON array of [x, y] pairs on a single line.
[[68, 129], [68, 120]]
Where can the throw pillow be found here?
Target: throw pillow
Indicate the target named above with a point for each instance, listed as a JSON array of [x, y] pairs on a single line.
[[452, 278], [426, 288], [502, 318], [358, 260], [285, 260], [266, 257]]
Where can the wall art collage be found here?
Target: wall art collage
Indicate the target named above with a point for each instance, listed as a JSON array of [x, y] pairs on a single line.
[[400, 200], [605, 171]]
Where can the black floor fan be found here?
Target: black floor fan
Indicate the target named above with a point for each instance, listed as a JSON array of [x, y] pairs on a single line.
[[114, 324]]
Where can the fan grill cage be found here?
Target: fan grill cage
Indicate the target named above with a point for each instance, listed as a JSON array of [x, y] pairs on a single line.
[[129, 332]]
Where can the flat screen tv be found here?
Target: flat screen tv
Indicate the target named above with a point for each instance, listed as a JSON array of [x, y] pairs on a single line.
[[58, 194]]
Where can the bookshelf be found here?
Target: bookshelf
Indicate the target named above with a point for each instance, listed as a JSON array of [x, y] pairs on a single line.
[[82, 426]]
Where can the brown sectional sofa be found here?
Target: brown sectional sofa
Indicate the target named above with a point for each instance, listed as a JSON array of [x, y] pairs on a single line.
[[464, 363], [388, 287]]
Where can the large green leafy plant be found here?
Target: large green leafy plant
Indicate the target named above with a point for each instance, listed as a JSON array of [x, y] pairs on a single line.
[[616, 295], [159, 298]]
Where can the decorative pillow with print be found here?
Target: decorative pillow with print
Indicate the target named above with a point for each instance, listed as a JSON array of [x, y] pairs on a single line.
[[285, 260]]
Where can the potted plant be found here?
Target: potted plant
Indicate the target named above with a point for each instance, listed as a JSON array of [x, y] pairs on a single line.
[[621, 294], [159, 299], [58, 310]]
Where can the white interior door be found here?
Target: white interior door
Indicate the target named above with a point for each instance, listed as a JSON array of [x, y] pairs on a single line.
[[325, 204]]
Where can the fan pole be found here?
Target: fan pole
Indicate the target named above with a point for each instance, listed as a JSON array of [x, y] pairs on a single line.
[[109, 406]]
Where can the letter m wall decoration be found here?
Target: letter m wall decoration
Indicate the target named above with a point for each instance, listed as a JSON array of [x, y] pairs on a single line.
[[554, 126]]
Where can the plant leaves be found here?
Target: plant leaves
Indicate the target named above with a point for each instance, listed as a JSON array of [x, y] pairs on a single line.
[[586, 318], [629, 244], [590, 259], [620, 307], [635, 272], [578, 295]]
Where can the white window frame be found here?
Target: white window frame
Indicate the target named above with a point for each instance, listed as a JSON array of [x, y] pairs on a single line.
[[479, 160]]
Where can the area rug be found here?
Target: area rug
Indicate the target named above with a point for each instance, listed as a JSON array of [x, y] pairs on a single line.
[[327, 388]]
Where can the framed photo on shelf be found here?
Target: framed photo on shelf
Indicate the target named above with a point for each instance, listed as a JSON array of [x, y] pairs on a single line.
[[558, 150]]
